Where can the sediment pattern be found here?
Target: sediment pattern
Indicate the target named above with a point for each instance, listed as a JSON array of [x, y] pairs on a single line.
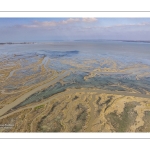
[[73, 91], [81, 111]]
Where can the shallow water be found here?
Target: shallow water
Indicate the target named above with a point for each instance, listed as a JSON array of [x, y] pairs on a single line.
[[132, 58], [126, 52], [76, 80]]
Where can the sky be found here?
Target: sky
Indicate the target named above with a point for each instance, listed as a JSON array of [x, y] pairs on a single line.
[[68, 29]]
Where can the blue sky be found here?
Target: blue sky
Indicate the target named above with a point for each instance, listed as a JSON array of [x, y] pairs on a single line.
[[40, 29]]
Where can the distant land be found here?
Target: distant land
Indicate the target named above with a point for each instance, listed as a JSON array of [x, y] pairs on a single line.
[[90, 40], [17, 43], [118, 40], [133, 41]]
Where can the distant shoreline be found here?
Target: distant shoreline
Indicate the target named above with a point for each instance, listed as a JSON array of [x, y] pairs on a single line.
[[135, 41], [17, 43], [116, 40]]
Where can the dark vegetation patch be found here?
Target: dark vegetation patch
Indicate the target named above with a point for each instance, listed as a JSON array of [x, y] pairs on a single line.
[[98, 101], [108, 102], [127, 118], [39, 125], [76, 97], [146, 126], [80, 118], [39, 107], [101, 105], [53, 125], [65, 106], [79, 106]]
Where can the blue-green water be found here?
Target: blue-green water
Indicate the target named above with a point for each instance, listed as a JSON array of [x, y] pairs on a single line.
[[84, 57]]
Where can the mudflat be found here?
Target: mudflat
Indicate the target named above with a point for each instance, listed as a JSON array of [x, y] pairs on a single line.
[[69, 88]]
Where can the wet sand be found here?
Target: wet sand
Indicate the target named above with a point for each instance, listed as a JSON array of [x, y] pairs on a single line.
[[26, 95], [83, 106], [68, 90]]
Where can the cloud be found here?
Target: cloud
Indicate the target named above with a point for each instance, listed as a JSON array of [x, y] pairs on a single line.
[[76, 28], [70, 20], [36, 24], [39, 24], [45, 23], [30, 26], [89, 19]]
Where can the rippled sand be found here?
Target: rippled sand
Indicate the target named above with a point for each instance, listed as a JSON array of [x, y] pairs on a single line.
[[83, 110]]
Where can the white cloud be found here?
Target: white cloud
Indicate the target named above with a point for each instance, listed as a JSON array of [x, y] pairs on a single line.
[[89, 19], [38, 24], [30, 26], [46, 23], [70, 20]]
